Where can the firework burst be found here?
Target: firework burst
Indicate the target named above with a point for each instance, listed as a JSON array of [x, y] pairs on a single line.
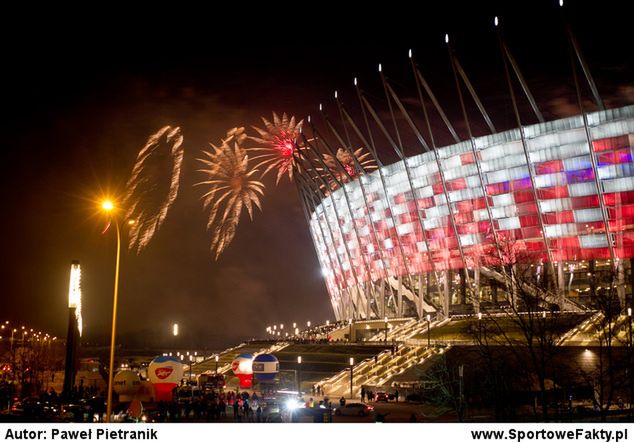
[[348, 162], [280, 141], [153, 185], [230, 188]]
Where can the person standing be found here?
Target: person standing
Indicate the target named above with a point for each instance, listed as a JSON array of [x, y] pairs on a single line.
[[236, 411]]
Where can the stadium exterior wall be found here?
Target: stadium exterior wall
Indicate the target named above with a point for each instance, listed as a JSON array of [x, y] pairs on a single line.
[[561, 196]]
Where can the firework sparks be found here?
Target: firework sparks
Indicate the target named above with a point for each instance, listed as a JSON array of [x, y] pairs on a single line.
[[231, 188], [279, 139], [349, 164], [237, 134], [153, 185]]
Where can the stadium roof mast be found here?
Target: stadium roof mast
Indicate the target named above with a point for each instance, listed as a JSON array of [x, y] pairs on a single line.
[[323, 139], [573, 46], [369, 143], [305, 199], [389, 91], [506, 57], [309, 187], [420, 81], [582, 61], [360, 169], [457, 67], [453, 62], [398, 149], [423, 231], [372, 147], [320, 160], [320, 178]]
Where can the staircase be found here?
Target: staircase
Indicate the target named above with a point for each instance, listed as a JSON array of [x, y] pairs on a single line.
[[407, 330], [377, 373], [210, 363], [393, 332]]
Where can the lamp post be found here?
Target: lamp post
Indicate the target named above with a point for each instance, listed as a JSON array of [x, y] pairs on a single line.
[[629, 353], [191, 358], [460, 386], [428, 330], [629, 320], [351, 369], [299, 376], [108, 207], [216, 358], [385, 330], [350, 332]]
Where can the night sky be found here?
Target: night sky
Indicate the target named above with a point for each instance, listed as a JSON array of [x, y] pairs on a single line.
[[81, 96]]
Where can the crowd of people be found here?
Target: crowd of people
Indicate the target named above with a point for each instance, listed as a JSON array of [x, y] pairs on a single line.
[[212, 406]]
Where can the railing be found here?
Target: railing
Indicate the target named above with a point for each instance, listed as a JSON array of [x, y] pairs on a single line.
[[379, 372]]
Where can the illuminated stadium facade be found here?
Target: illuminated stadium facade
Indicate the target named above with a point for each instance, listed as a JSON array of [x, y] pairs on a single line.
[[446, 231], [561, 195]]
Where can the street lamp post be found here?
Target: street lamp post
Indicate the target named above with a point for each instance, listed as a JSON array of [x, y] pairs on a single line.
[[385, 330], [351, 369], [216, 358], [350, 332], [428, 330], [480, 326], [461, 380], [299, 376], [629, 353], [108, 207], [629, 317]]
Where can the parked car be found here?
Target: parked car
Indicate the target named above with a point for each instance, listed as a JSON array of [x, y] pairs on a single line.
[[354, 409], [34, 410], [383, 396], [77, 413]]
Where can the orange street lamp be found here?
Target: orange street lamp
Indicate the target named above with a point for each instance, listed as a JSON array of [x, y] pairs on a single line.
[[108, 207]]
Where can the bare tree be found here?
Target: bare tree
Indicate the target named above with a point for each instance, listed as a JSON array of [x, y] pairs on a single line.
[[528, 327], [446, 387], [609, 373]]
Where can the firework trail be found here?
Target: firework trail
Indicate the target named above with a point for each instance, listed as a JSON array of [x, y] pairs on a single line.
[[349, 164], [153, 185], [230, 188], [279, 139]]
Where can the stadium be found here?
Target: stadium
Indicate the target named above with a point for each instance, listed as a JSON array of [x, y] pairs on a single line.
[[442, 232]]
